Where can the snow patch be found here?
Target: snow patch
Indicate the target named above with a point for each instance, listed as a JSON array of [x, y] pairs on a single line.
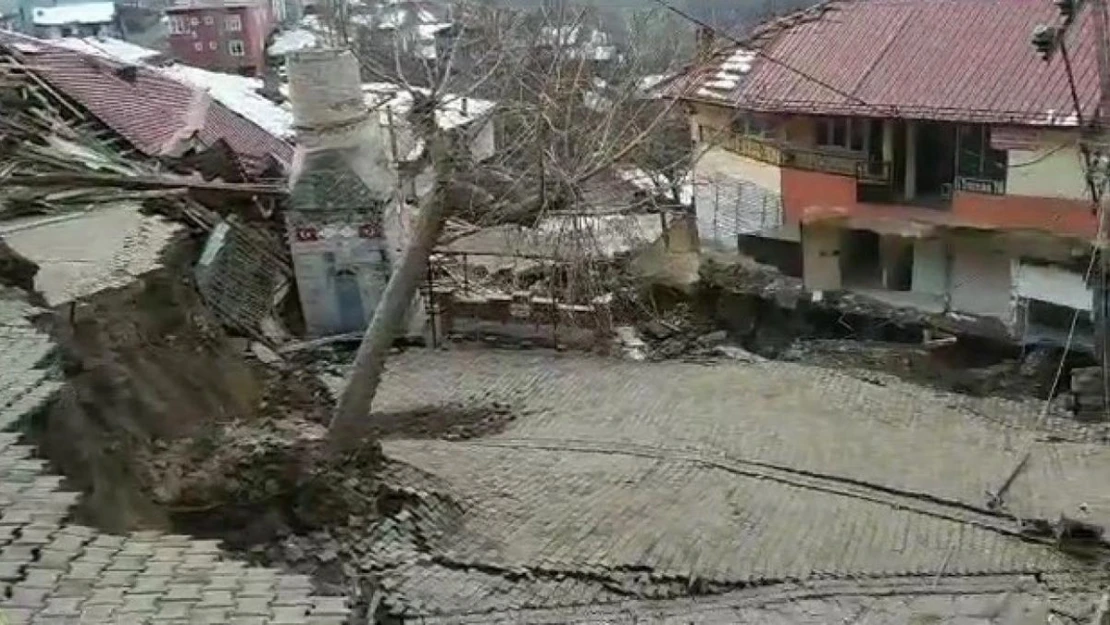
[[84, 13], [109, 48], [240, 94], [292, 41]]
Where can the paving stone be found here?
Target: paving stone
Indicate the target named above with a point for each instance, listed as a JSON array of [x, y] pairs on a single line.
[[216, 598], [89, 570], [41, 578], [224, 582], [78, 588], [140, 604], [59, 606], [150, 584], [177, 591], [170, 610], [202, 615], [251, 606], [11, 571], [127, 563], [256, 589], [289, 616], [98, 613], [161, 568], [18, 616], [96, 555]]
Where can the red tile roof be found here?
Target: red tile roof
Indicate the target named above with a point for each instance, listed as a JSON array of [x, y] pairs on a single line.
[[154, 112], [959, 60]]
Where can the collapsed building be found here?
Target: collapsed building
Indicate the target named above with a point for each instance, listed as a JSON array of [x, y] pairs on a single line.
[[880, 170]]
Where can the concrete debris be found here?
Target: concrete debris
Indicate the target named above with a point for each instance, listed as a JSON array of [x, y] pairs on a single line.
[[789, 292], [15, 270], [631, 346], [1086, 398], [732, 352], [265, 355]]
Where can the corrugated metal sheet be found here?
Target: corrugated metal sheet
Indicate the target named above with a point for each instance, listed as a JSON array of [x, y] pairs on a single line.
[[147, 108], [969, 60]]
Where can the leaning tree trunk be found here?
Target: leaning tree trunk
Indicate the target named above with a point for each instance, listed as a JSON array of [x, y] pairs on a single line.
[[347, 425]]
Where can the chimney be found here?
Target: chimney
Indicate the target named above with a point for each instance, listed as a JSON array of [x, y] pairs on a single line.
[[706, 42]]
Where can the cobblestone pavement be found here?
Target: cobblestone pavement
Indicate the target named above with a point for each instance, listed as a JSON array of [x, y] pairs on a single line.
[[56, 572], [624, 480], [880, 431]]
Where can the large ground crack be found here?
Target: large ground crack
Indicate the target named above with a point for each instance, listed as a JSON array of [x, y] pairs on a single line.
[[1087, 547]]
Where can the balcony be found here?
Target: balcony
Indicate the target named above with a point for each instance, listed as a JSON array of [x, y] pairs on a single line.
[[829, 162]]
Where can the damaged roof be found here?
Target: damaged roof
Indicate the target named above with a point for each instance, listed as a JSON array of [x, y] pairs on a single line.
[[156, 113], [951, 60]]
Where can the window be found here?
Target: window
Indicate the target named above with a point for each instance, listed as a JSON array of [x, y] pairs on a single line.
[[233, 23], [842, 132], [208, 21], [212, 45], [975, 158], [178, 25], [194, 21], [754, 125], [198, 46], [235, 48]]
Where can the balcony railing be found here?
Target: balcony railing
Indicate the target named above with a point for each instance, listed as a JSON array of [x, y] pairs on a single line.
[[763, 151], [823, 161]]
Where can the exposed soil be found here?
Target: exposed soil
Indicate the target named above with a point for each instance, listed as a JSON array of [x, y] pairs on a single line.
[[446, 422], [143, 364], [755, 308]]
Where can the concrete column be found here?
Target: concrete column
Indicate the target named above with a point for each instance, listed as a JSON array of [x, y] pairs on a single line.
[[889, 246], [821, 258], [888, 140], [911, 160], [930, 267]]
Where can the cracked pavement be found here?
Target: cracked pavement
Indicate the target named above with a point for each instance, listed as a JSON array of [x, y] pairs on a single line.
[[56, 572], [624, 482]]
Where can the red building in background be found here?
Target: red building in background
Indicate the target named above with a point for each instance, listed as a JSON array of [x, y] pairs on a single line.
[[221, 36]]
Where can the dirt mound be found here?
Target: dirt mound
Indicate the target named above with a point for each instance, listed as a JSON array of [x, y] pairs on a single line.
[[447, 422]]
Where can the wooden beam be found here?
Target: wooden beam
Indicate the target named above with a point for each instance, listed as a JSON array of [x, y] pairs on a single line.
[[143, 182]]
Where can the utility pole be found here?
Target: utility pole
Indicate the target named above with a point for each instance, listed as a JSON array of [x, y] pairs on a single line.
[[1097, 169], [1095, 145]]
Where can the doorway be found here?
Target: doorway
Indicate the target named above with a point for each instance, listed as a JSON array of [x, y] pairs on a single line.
[[934, 163]]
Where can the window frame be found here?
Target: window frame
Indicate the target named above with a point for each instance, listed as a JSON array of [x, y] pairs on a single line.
[[237, 43], [979, 161], [179, 25], [854, 134]]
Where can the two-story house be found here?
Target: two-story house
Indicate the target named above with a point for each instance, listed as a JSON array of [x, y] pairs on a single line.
[[221, 36], [919, 151]]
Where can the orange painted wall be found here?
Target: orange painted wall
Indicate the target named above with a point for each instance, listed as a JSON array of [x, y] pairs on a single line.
[[810, 196]]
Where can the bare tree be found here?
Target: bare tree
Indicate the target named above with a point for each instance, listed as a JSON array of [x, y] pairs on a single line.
[[570, 107]]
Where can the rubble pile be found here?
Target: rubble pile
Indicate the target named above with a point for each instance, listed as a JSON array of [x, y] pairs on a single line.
[[1086, 395]]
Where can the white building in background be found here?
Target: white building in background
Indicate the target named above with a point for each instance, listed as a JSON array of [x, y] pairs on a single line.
[[86, 19]]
